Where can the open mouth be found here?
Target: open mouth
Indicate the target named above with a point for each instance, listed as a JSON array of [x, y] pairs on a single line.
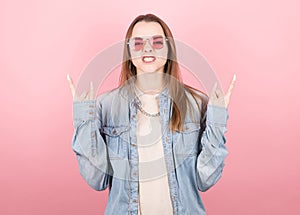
[[148, 59]]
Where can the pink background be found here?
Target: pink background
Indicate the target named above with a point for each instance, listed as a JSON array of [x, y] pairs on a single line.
[[42, 41]]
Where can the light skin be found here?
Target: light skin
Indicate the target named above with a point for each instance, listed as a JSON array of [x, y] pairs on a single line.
[[149, 76]]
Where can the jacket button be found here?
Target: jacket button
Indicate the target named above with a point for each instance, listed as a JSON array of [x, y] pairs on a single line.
[[135, 201], [114, 131]]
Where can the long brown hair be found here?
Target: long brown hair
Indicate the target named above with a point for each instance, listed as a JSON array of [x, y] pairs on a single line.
[[175, 84]]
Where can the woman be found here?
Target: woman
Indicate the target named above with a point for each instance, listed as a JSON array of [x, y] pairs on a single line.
[[153, 141]]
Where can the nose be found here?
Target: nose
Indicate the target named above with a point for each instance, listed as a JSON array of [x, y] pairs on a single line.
[[147, 46]]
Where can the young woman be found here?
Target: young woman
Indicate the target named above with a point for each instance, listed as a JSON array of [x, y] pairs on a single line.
[[153, 141]]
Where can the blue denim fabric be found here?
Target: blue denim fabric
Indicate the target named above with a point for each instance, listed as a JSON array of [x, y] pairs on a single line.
[[104, 142]]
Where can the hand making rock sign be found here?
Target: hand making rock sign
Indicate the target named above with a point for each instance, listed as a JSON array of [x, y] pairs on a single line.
[[89, 95], [217, 98]]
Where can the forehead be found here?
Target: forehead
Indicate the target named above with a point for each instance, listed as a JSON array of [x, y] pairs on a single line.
[[143, 28]]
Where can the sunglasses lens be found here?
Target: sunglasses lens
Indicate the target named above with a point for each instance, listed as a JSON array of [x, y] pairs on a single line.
[[157, 42], [138, 44]]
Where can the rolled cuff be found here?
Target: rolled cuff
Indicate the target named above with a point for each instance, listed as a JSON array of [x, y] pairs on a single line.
[[217, 115], [84, 111]]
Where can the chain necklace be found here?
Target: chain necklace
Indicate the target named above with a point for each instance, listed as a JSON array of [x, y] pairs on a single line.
[[139, 106]]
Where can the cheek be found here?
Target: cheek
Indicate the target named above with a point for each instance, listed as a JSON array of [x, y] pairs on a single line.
[[161, 61], [162, 57], [162, 54], [135, 58], [135, 62]]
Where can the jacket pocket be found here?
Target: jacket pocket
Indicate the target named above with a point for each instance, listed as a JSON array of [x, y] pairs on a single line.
[[186, 141], [117, 138]]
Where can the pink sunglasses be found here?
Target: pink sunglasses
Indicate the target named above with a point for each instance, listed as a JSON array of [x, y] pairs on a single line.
[[137, 43]]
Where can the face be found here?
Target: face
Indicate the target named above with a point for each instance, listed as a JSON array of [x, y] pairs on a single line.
[[145, 57]]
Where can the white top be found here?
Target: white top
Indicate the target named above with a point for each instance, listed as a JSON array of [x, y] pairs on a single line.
[[154, 193]]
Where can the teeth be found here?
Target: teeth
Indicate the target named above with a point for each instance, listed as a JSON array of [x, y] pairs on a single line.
[[148, 59]]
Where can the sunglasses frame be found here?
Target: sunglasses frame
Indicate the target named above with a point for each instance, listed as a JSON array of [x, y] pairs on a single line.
[[150, 38]]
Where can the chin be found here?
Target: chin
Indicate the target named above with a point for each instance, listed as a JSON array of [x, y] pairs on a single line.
[[149, 69]]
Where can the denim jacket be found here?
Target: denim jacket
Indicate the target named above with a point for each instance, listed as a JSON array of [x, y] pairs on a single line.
[[104, 142]]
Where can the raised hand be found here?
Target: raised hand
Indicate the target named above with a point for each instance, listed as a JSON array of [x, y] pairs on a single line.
[[217, 98], [85, 95]]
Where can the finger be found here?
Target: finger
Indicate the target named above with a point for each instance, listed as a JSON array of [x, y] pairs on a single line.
[[213, 90], [71, 85], [83, 96], [217, 92], [91, 91], [231, 86]]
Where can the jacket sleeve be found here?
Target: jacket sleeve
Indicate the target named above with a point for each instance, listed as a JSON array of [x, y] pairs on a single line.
[[210, 161], [88, 144]]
